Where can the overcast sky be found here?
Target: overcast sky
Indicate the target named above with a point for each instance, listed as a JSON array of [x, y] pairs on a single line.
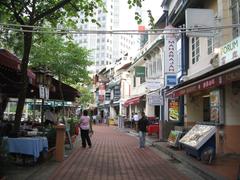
[[127, 16]]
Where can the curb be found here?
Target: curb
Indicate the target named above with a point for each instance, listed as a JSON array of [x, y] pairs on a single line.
[[197, 168]]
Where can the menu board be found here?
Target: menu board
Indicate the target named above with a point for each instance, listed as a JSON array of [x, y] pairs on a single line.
[[198, 135], [215, 105], [174, 137], [173, 108]]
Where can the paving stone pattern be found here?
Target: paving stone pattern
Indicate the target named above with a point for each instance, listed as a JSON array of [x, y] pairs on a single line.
[[115, 156]]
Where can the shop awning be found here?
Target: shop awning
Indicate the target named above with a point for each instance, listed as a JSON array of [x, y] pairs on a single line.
[[133, 101], [217, 77], [10, 61]]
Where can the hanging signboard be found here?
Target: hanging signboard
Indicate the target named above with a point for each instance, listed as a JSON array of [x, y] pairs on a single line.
[[170, 56], [41, 92], [155, 100], [46, 90], [102, 89], [153, 84], [170, 80], [173, 108], [140, 71]]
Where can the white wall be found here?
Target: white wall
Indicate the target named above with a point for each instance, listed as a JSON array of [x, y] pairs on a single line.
[[203, 65]]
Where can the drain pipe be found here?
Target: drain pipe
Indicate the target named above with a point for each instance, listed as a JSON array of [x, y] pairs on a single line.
[[184, 67]]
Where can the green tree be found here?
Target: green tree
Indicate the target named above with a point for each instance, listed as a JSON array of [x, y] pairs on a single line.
[[86, 96], [30, 13], [34, 13], [64, 58]]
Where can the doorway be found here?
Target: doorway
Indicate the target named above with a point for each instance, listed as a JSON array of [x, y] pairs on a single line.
[[206, 108]]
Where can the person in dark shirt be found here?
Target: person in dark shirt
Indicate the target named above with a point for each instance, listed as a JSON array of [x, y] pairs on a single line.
[[142, 128]]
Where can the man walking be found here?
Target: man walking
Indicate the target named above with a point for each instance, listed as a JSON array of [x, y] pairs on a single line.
[[142, 128]]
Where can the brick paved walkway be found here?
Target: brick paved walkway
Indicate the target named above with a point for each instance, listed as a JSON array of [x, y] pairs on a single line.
[[115, 156]]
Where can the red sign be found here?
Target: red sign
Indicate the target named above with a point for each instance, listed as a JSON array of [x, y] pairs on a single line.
[[208, 83]]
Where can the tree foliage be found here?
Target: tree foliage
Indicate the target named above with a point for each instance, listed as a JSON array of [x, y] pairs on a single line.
[[62, 57], [86, 96], [29, 13]]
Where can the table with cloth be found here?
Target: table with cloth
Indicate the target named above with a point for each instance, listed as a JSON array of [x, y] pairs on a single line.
[[27, 145]]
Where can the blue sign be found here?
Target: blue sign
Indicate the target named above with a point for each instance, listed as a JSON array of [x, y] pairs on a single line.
[[171, 80]]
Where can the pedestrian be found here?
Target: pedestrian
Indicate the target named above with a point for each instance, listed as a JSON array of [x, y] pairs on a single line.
[[85, 128], [136, 119], [132, 120], [50, 117], [142, 128]]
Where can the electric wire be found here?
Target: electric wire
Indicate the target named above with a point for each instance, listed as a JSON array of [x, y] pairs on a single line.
[[178, 30]]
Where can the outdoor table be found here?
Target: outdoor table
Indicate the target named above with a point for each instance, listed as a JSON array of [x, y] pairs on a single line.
[[27, 145]]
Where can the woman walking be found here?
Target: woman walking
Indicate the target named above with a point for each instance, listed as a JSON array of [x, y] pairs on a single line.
[[85, 127]]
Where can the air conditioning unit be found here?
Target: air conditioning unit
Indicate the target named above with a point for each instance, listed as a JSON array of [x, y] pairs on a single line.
[[184, 78], [214, 61]]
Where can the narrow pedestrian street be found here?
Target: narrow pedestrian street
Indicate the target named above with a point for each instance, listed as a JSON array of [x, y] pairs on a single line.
[[115, 155]]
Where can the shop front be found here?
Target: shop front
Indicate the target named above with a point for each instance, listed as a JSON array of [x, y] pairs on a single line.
[[136, 105], [213, 99]]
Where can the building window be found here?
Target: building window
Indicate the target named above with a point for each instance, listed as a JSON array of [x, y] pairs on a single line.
[[195, 50], [210, 45], [236, 17], [102, 62]]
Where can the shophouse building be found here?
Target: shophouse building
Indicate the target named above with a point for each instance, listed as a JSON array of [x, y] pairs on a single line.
[[146, 79], [208, 89]]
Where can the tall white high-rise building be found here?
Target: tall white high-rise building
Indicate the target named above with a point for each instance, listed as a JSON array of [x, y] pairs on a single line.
[[106, 47]]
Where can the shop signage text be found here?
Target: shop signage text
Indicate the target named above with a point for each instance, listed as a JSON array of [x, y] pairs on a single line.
[[170, 48], [209, 83], [230, 51], [140, 71]]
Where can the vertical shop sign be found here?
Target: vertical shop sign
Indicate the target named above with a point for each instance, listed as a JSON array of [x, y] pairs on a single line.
[[173, 108], [170, 59], [101, 92]]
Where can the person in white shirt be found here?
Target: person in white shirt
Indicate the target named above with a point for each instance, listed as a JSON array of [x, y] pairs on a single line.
[[50, 117], [85, 127], [136, 119]]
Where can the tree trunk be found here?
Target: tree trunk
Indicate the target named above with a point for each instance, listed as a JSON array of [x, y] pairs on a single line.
[[24, 79]]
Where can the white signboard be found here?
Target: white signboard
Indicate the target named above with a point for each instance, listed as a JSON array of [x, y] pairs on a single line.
[[170, 56], [46, 93], [197, 22], [153, 84], [198, 135], [41, 91], [170, 51], [155, 100], [230, 51]]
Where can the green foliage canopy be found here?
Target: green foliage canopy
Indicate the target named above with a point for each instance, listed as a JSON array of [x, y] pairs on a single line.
[[62, 57]]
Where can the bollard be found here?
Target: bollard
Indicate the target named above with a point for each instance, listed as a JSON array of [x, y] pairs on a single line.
[[60, 140]]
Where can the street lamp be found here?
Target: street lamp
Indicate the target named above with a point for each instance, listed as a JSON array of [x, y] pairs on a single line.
[[44, 80]]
